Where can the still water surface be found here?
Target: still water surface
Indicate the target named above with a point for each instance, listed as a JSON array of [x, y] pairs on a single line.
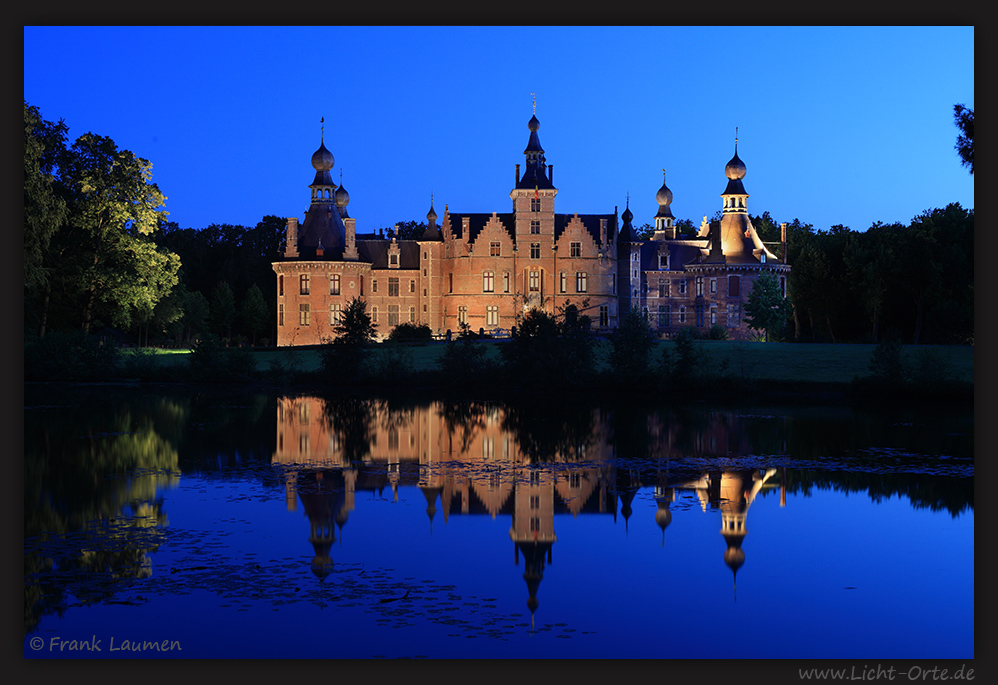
[[170, 523]]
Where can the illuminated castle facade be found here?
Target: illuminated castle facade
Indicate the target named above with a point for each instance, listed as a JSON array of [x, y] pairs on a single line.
[[485, 270]]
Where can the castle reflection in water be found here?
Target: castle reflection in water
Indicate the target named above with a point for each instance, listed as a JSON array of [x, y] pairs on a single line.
[[472, 458]]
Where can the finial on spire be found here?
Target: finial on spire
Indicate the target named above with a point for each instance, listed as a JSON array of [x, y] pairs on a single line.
[[322, 129], [736, 138], [534, 103]]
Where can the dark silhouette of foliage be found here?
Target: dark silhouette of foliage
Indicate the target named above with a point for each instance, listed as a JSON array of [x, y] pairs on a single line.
[[965, 141]]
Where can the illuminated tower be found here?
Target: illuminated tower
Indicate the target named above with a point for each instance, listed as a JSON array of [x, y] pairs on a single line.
[[532, 531]]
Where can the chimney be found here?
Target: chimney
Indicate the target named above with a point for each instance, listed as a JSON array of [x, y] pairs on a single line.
[[783, 242], [517, 175], [551, 173]]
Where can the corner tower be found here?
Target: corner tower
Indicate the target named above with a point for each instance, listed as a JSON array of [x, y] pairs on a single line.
[[323, 227], [739, 241]]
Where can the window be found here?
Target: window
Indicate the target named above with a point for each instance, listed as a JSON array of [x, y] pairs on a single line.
[[699, 286], [535, 227], [682, 315], [535, 281], [335, 314], [604, 316], [682, 287], [412, 314], [280, 314], [713, 286], [563, 282], [535, 524], [699, 315], [393, 287], [488, 282], [535, 250], [393, 315], [581, 282], [575, 249], [492, 315], [713, 314], [535, 501], [783, 286], [734, 286], [374, 285], [663, 261], [374, 314], [450, 283], [412, 286], [663, 288], [734, 315], [664, 316], [303, 284], [535, 204], [334, 284], [495, 249], [303, 315], [280, 284], [505, 282], [393, 259], [462, 314]]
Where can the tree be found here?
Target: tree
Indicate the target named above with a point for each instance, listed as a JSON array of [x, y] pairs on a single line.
[[254, 315], [108, 260], [871, 264], [44, 206], [197, 313], [631, 345], [343, 359], [355, 326], [223, 309], [767, 309], [965, 141]]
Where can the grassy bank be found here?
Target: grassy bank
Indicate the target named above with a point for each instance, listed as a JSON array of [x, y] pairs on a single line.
[[787, 362]]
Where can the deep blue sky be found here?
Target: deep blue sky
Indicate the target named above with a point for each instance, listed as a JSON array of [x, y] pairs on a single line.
[[836, 125]]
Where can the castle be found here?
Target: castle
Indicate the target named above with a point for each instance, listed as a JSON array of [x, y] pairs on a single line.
[[484, 270]]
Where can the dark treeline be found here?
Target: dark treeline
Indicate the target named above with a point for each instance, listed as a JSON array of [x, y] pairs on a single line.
[[912, 282]]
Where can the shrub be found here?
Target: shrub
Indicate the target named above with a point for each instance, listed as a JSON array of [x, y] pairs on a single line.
[[717, 332], [411, 332], [211, 361], [70, 357], [888, 364]]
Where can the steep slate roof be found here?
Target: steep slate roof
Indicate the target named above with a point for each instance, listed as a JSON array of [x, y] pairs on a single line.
[[590, 222], [679, 254], [477, 221], [375, 252]]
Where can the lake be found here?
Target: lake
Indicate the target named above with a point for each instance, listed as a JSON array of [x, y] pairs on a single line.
[[190, 523]]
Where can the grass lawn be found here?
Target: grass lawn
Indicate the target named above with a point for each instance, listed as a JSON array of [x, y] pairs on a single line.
[[827, 363]]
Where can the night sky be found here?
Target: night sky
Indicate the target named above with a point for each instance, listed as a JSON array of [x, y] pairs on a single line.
[[836, 125]]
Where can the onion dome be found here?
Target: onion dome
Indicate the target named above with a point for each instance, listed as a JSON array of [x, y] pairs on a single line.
[[627, 216], [663, 517], [664, 195], [342, 196], [735, 169], [664, 199], [533, 124], [322, 159], [431, 216]]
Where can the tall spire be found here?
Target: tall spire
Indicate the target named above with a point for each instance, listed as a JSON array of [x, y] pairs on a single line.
[[536, 175]]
